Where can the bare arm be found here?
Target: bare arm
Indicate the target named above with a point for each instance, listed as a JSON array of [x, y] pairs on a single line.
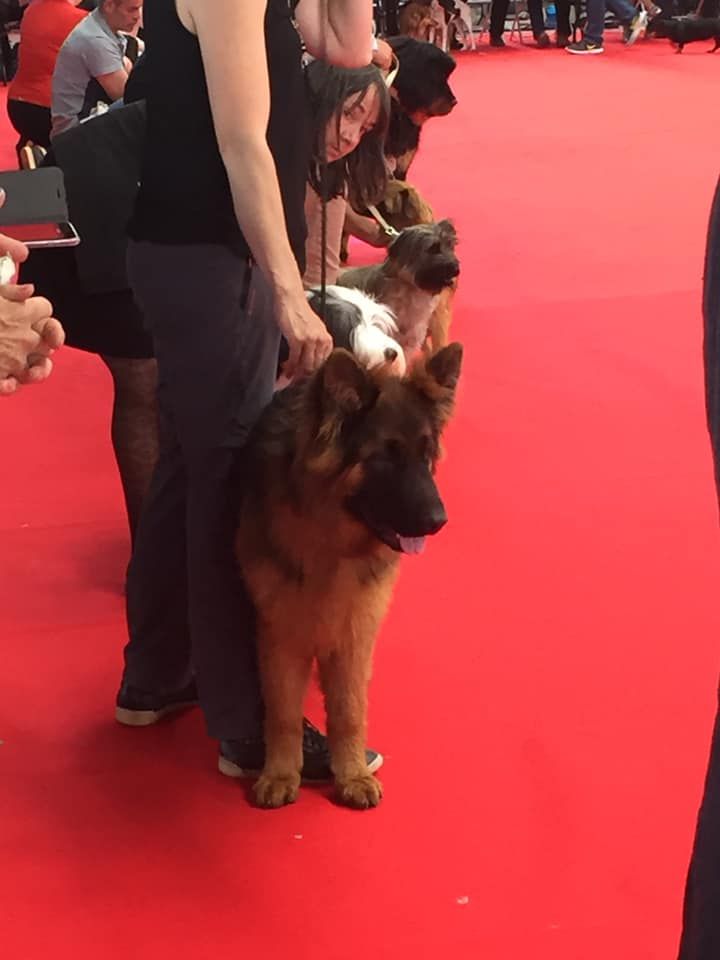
[[114, 84], [339, 31], [365, 228], [239, 92]]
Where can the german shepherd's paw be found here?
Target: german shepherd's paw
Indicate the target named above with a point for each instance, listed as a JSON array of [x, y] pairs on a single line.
[[360, 792], [271, 792]]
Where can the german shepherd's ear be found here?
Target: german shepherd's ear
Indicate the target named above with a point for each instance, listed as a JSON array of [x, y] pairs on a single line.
[[339, 389], [437, 379], [345, 385], [445, 365]]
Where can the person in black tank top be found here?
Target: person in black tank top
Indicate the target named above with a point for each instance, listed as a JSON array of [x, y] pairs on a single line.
[[215, 260]]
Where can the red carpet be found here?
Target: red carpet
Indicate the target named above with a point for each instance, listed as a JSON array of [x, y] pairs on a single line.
[[545, 682]]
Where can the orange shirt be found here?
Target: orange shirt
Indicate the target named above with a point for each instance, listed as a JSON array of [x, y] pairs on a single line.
[[43, 30]]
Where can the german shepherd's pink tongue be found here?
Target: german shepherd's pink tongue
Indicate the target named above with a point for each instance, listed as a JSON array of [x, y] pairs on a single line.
[[412, 544]]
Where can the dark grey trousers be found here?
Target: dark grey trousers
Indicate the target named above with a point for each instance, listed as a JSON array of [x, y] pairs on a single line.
[[701, 920], [216, 343]]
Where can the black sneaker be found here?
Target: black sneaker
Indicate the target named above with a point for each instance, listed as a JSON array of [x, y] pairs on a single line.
[[137, 709], [585, 47], [497, 42], [543, 41], [246, 758]]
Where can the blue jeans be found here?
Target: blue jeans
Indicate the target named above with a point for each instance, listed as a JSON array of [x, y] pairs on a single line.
[[623, 10], [701, 918]]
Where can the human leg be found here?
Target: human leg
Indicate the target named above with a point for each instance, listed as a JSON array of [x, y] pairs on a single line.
[[134, 429], [216, 345]]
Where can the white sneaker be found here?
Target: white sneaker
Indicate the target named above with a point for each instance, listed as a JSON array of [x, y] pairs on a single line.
[[637, 27]]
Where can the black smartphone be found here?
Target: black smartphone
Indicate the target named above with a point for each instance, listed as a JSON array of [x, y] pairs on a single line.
[[35, 209]]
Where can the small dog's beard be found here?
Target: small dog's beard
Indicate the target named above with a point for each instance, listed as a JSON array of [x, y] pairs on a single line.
[[374, 348]]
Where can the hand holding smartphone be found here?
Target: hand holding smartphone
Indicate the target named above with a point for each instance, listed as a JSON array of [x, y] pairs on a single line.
[[35, 211]]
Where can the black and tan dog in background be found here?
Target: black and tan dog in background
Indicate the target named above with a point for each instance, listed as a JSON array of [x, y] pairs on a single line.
[[339, 483], [420, 92]]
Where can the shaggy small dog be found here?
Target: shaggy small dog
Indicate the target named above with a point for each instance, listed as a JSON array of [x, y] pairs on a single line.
[[358, 323], [415, 281], [420, 91], [338, 483], [687, 30]]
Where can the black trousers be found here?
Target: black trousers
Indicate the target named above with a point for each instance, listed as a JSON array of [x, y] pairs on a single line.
[[31, 121], [701, 919], [216, 345], [499, 12]]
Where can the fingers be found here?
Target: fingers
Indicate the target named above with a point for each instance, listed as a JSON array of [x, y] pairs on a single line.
[[291, 364], [39, 369], [314, 353], [39, 311], [51, 332], [8, 386], [17, 293], [14, 248]]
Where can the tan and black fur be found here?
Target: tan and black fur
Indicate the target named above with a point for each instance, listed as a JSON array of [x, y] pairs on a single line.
[[416, 281], [416, 21], [339, 472], [402, 206]]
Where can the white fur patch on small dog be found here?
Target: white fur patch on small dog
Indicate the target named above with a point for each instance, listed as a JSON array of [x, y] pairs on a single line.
[[374, 338]]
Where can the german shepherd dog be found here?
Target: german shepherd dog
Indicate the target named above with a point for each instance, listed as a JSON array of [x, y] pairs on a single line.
[[339, 484]]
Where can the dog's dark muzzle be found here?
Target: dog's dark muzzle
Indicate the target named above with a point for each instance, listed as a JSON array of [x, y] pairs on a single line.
[[400, 504], [438, 276]]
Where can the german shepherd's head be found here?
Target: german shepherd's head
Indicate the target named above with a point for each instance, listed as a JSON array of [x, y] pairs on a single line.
[[380, 438], [348, 458]]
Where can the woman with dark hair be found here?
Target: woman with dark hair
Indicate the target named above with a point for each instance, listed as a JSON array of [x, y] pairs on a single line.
[[215, 261], [350, 110]]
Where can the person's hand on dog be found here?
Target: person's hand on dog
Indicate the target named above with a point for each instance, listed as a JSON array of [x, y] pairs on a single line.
[[309, 342]]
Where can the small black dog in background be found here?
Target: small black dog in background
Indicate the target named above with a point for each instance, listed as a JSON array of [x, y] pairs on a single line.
[[687, 30]]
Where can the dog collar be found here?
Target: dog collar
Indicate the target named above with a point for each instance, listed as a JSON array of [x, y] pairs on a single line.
[[382, 222]]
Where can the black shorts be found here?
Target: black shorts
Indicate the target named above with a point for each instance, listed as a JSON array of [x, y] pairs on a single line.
[[110, 324]]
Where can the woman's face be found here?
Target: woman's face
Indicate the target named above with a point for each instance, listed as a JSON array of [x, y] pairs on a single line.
[[358, 116]]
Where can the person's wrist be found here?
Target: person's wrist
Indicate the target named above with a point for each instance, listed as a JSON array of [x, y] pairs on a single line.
[[289, 294]]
